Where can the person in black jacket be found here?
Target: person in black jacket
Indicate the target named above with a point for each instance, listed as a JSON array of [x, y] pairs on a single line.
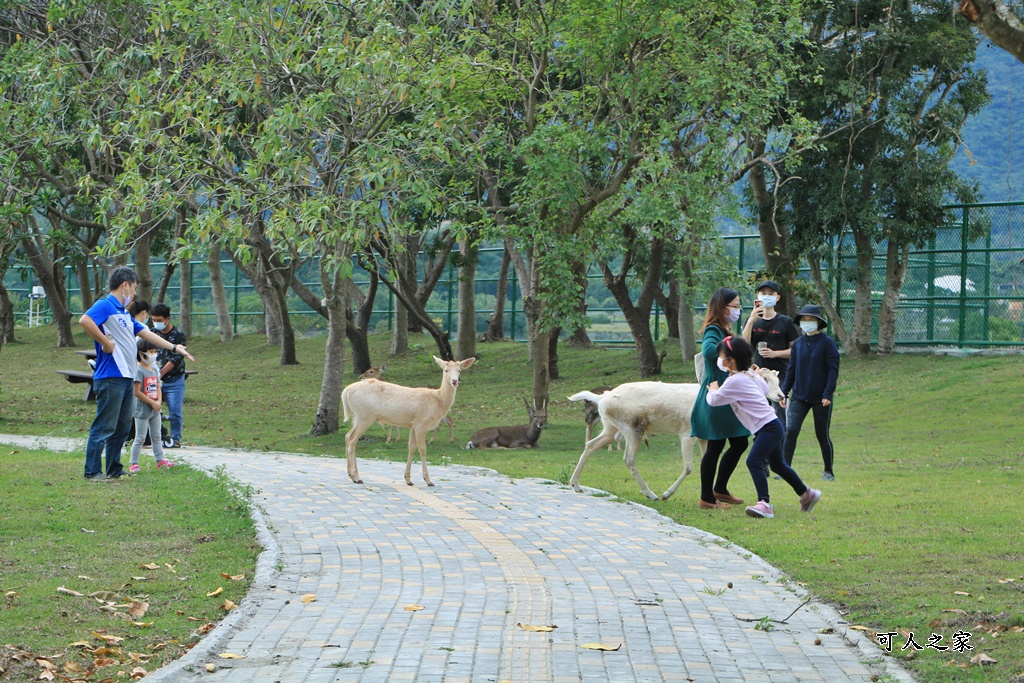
[[172, 368], [813, 373]]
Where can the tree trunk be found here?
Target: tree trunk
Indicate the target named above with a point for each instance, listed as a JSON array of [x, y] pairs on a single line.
[[553, 336], [336, 300], [51, 278], [165, 282], [670, 308], [638, 316], [862, 307], [836, 321], [185, 299], [496, 321], [356, 326], [399, 328], [997, 22], [217, 293], [143, 257], [778, 262], [467, 301], [6, 314], [171, 265], [688, 253], [539, 342], [579, 336], [895, 275], [84, 285], [271, 313]]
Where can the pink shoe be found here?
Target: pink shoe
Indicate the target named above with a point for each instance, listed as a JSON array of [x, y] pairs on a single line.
[[133, 468], [810, 497], [165, 463], [762, 509]]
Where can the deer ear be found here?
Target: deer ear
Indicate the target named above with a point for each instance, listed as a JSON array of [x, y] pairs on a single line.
[[383, 367], [466, 363], [439, 362]]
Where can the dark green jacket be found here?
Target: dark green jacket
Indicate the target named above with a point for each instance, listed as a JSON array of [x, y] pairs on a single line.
[[706, 422]]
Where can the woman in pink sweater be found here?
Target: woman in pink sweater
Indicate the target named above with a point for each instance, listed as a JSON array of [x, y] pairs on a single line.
[[747, 394]]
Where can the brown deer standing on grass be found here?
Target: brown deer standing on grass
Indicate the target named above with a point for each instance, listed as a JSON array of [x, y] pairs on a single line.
[[378, 373], [369, 401], [520, 436]]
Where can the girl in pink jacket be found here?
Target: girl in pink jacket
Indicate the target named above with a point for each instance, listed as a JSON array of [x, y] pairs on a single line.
[[747, 394]]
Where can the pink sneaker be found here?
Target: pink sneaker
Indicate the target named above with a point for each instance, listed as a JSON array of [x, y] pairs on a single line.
[[762, 509], [165, 463], [133, 468], [810, 497]]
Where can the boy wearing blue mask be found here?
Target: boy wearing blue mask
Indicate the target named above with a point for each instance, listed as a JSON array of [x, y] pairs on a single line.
[[812, 377]]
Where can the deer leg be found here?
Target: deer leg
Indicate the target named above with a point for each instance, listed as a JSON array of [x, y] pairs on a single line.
[[606, 436], [451, 430], [629, 457], [351, 439], [687, 445]]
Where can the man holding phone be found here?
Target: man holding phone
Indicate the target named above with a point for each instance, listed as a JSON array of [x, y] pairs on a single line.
[[771, 334]]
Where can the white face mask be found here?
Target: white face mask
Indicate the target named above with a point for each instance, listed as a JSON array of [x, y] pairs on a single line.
[[769, 301], [734, 314], [159, 326], [808, 326], [721, 366], [150, 358]]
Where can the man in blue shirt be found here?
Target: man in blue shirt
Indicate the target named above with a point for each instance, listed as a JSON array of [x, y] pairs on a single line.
[[114, 331]]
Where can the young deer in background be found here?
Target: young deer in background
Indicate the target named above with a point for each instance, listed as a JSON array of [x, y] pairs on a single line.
[[520, 436], [370, 401], [378, 373]]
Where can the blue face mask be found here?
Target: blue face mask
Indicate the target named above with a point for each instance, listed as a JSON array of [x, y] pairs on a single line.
[[159, 326]]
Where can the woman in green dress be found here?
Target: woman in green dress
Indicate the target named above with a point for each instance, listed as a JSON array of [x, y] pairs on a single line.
[[717, 425]]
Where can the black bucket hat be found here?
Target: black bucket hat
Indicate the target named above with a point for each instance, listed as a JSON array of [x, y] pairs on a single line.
[[812, 311]]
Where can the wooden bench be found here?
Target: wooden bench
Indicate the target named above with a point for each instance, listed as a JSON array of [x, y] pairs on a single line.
[[85, 377]]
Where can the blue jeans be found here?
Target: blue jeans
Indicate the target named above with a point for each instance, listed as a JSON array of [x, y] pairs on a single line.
[[174, 394], [115, 403], [766, 449]]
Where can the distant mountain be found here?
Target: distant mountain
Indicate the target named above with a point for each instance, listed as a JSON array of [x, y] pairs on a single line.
[[994, 139]]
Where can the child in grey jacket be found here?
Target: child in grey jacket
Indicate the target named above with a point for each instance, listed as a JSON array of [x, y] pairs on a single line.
[[147, 407]]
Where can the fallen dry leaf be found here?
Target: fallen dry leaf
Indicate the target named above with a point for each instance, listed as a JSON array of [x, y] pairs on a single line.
[[413, 608], [216, 592], [236, 577], [104, 661], [603, 648], [1007, 580], [230, 655], [108, 637], [141, 624], [73, 667], [308, 598], [140, 578], [981, 658], [138, 672], [193, 619], [80, 643], [46, 675], [138, 609], [211, 667], [105, 596], [88, 531], [962, 593], [537, 629], [151, 565], [955, 611], [228, 606], [935, 623], [87, 578], [205, 628], [68, 591], [170, 567]]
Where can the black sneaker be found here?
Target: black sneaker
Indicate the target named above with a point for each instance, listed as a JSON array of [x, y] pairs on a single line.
[[828, 476], [97, 477]]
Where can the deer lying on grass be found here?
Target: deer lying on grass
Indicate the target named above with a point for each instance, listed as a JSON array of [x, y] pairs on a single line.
[[369, 401], [378, 373], [520, 436], [640, 408]]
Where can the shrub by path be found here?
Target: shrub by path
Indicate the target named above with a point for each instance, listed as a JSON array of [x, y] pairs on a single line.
[[481, 553]]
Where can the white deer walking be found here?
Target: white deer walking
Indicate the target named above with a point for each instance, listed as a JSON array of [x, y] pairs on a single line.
[[418, 409]]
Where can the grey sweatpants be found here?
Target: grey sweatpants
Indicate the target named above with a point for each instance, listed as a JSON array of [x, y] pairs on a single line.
[[144, 426]]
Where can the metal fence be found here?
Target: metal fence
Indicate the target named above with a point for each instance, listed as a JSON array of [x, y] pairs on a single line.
[[965, 289]]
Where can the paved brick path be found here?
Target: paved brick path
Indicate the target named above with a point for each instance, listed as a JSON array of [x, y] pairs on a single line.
[[481, 553]]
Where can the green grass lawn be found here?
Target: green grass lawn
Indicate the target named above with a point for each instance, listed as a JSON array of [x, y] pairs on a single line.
[[919, 533]]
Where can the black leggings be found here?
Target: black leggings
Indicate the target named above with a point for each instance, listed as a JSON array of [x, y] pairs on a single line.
[[709, 464], [795, 414]]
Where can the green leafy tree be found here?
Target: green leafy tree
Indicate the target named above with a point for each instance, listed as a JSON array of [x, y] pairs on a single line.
[[892, 87]]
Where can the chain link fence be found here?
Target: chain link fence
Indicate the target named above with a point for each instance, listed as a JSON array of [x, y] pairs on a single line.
[[964, 289]]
